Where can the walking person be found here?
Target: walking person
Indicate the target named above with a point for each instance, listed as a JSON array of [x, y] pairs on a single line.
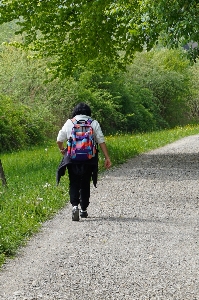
[[80, 171]]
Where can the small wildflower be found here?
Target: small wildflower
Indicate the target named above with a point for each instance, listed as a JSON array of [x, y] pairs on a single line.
[[46, 185], [40, 199]]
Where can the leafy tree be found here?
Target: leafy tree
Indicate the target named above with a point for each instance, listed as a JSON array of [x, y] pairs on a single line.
[[179, 21], [167, 75], [77, 31]]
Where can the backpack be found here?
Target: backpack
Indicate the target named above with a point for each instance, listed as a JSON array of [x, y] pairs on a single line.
[[81, 145]]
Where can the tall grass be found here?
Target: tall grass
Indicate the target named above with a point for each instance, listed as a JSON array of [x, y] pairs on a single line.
[[31, 195]]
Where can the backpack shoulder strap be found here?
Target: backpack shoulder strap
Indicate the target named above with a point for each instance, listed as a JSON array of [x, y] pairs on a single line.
[[73, 120], [89, 121]]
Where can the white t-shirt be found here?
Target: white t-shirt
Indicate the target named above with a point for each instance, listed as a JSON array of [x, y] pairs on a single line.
[[65, 133]]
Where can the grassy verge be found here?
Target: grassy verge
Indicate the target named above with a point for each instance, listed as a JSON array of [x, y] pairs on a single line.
[[31, 195]]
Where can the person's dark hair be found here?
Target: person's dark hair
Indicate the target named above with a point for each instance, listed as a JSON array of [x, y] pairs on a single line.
[[81, 109]]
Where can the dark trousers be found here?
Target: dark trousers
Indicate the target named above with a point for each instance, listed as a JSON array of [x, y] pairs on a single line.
[[79, 184]]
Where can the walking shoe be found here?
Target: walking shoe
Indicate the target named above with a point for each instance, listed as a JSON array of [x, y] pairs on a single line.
[[75, 213], [83, 214]]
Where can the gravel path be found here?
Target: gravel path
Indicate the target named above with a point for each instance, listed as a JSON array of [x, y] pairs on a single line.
[[141, 240]]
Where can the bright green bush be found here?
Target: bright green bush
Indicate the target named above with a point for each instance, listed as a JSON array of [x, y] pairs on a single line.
[[166, 74], [145, 113], [21, 126]]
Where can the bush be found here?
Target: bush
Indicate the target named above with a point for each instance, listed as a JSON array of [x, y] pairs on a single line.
[[166, 74], [119, 106], [20, 126]]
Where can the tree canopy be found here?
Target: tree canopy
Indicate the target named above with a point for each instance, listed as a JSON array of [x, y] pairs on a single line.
[[75, 32]]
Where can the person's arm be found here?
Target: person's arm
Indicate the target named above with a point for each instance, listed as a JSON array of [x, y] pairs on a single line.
[[63, 135], [61, 147], [107, 162]]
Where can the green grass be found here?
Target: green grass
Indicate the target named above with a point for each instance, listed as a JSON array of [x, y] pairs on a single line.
[[31, 195]]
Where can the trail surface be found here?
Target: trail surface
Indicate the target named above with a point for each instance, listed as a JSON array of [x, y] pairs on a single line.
[[141, 240]]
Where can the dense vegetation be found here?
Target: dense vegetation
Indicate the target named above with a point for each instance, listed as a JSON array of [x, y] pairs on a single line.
[[158, 91], [74, 33]]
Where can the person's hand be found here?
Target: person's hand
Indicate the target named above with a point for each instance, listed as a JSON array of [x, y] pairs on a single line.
[[62, 151], [107, 163]]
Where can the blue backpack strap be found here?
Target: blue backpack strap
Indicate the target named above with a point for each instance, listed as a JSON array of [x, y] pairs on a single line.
[[74, 121], [72, 140]]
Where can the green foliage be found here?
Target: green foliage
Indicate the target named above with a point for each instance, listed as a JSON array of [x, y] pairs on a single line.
[[166, 74], [105, 101], [21, 76], [160, 90], [170, 60], [145, 114], [179, 21], [118, 106], [78, 31], [7, 32], [19, 125]]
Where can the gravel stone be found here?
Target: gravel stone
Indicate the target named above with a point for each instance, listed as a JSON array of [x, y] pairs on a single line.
[[140, 241]]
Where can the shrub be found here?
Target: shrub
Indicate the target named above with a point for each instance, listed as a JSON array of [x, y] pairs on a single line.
[[166, 74], [20, 126]]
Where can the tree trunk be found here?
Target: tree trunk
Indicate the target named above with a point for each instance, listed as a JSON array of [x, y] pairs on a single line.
[[2, 175]]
